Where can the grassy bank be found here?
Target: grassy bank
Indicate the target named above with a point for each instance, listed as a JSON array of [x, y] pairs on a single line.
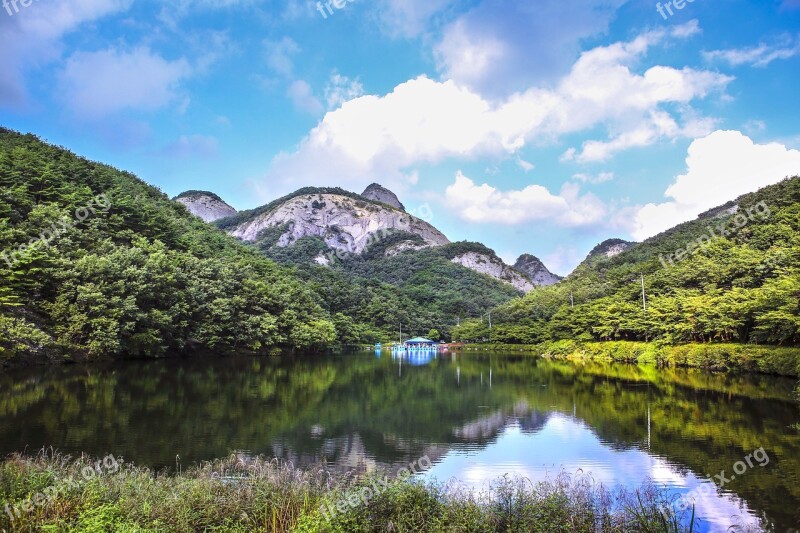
[[239, 495], [724, 357]]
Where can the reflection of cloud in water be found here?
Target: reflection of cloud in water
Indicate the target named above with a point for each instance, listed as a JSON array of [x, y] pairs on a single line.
[[563, 443]]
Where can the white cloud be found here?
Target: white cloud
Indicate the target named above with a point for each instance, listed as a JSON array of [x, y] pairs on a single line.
[[484, 203], [427, 121], [303, 97], [757, 56], [719, 168], [341, 89], [34, 40], [97, 84]]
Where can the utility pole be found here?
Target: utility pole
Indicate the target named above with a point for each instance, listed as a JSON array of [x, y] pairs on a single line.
[[401, 333]]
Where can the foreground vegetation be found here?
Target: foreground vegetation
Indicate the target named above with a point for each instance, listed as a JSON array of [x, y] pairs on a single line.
[[716, 357], [247, 494]]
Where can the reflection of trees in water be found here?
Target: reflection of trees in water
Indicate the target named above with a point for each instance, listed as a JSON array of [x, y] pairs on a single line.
[[358, 412]]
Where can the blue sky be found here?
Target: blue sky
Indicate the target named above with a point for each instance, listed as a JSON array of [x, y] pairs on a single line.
[[533, 126]]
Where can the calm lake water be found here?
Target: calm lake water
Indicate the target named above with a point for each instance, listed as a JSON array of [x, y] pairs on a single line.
[[477, 417]]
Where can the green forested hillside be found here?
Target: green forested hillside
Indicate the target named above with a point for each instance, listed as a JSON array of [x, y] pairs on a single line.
[[735, 278], [115, 268], [420, 290]]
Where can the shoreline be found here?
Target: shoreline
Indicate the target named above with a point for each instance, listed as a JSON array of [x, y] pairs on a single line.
[[770, 360]]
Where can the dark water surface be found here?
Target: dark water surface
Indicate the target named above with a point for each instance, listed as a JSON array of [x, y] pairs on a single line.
[[477, 417]]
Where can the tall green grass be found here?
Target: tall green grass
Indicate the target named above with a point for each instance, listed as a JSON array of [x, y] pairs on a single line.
[[241, 494]]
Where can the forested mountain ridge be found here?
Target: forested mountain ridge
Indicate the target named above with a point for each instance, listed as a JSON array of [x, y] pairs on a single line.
[[732, 275], [97, 263]]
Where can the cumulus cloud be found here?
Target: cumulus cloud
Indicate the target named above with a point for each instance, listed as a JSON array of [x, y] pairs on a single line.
[[426, 121], [97, 84], [719, 168], [484, 203]]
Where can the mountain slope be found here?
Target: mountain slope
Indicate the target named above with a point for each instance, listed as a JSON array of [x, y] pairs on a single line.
[[732, 275]]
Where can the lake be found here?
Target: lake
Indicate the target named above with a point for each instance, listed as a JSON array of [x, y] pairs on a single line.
[[476, 416]]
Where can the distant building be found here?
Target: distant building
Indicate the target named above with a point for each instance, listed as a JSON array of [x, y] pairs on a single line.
[[420, 342]]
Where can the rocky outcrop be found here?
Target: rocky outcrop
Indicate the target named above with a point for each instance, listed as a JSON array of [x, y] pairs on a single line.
[[205, 205], [609, 248], [405, 246], [345, 224], [494, 267], [536, 271], [379, 193]]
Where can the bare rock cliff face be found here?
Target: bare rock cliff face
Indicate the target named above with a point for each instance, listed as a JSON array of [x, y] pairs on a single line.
[[495, 268], [610, 248], [207, 206], [381, 194], [344, 223], [536, 271]]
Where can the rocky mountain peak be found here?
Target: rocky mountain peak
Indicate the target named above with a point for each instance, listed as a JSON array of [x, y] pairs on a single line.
[[539, 274], [205, 205], [379, 193]]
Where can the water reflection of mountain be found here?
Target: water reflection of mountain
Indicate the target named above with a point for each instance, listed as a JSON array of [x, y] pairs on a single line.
[[486, 428], [349, 453]]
